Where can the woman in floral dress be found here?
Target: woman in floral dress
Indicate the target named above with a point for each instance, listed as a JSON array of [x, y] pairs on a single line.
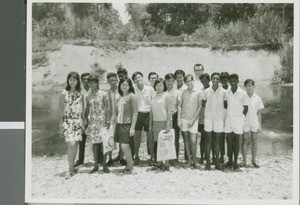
[[71, 121], [97, 108]]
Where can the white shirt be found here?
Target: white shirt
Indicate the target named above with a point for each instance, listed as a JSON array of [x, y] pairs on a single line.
[[174, 98], [144, 98], [236, 102], [214, 107], [255, 105], [197, 84], [182, 88]]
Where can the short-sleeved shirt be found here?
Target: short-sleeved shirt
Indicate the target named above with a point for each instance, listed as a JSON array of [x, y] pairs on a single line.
[[182, 88], [236, 102], [159, 106], [198, 85], [214, 107], [144, 98], [112, 99], [255, 105], [125, 108], [174, 97], [191, 100]]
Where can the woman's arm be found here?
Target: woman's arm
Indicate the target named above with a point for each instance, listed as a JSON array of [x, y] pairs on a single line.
[[133, 103], [169, 113], [61, 112], [179, 113], [87, 111]]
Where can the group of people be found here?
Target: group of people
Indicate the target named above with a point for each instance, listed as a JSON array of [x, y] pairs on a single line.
[[206, 110]]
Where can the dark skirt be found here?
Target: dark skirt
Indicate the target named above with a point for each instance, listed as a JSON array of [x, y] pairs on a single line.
[[122, 133]]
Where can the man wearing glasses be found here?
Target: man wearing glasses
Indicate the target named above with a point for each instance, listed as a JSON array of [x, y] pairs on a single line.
[[198, 70]]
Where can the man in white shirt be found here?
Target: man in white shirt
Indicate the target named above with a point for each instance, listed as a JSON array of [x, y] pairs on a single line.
[[252, 122], [237, 109], [198, 70], [144, 95]]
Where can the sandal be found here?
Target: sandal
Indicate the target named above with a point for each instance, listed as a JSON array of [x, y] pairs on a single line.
[[93, 170], [69, 175]]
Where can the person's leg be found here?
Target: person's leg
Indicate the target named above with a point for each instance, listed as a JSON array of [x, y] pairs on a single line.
[[105, 168], [71, 153], [229, 139], [236, 149], [131, 144], [80, 160], [193, 144], [187, 144], [208, 143], [137, 141], [217, 137], [245, 144], [213, 149], [254, 148], [96, 157], [100, 153], [150, 141], [127, 152], [222, 147], [202, 143], [176, 130]]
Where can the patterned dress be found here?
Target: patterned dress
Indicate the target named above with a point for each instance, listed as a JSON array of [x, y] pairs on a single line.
[[72, 116], [97, 116]]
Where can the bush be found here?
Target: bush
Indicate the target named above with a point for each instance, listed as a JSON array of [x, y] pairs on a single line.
[[268, 28], [285, 73]]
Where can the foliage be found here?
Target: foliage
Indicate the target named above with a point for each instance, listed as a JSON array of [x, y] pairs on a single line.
[[285, 73], [268, 27]]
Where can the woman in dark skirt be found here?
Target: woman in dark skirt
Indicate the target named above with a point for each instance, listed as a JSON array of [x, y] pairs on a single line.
[[126, 120]]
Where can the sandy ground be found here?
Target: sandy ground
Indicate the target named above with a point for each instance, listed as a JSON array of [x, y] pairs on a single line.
[[272, 181]]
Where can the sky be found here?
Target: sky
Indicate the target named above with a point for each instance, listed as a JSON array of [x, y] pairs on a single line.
[[122, 11]]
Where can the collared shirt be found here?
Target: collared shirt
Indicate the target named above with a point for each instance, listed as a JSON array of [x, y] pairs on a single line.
[[174, 97], [144, 98], [182, 88], [159, 106], [125, 108], [112, 99], [191, 100], [198, 85], [236, 102], [214, 107], [255, 105]]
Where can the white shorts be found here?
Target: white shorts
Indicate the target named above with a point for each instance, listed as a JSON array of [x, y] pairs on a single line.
[[234, 124], [213, 125], [252, 128], [185, 127]]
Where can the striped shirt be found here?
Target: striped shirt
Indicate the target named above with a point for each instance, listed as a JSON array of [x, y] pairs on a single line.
[[126, 108], [191, 100]]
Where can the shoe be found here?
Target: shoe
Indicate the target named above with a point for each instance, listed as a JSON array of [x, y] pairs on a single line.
[[228, 164], [207, 166], [109, 163], [93, 170], [106, 170], [151, 162], [123, 162], [242, 164], [201, 161], [236, 167], [196, 166], [219, 167], [69, 175], [255, 165], [221, 160], [136, 161], [187, 165], [78, 163], [166, 167]]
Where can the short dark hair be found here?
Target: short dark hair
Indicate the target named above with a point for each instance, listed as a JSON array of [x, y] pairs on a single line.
[[213, 74], [121, 70], [198, 64], [109, 75], [131, 89], [76, 76], [93, 78], [152, 73], [179, 72], [224, 75], [169, 76], [135, 74], [160, 80], [187, 77], [249, 81], [84, 75], [234, 75], [204, 76]]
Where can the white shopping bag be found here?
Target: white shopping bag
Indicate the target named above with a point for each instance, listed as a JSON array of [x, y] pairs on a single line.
[[108, 141], [165, 145]]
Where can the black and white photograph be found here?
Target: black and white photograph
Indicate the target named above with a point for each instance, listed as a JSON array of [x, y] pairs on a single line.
[[162, 102]]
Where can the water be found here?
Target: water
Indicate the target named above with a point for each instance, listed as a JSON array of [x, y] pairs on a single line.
[[277, 122]]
